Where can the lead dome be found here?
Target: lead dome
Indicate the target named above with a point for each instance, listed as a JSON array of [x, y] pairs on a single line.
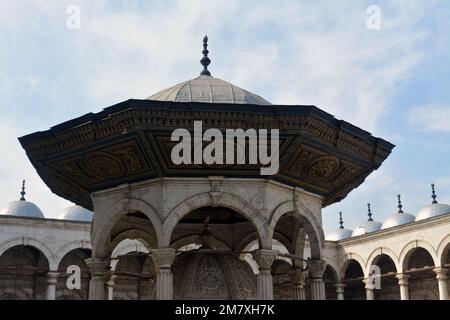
[[398, 218], [341, 233], [434, 209], [206, 88], [76, 213], [368, 226], [22, 208]]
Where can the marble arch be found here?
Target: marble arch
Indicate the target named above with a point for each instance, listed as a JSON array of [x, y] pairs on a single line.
[[221, 199], [409, 248], [102, 225]]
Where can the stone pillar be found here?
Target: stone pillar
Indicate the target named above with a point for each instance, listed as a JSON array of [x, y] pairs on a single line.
[[110, 285], [441, 276], [370, 294], [52, 280], [404, 286], [316, 269], [298, 278], [97, 281], [340, 290], [163, 259], [264, 258]]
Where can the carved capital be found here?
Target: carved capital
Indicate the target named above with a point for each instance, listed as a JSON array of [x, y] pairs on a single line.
[[163, 258], [316, 268], [402, 279], [441, 273], [52, 277], [97, 266], [264, 258], [299, 276]]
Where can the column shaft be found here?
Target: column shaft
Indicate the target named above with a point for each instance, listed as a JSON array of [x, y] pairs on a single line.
[[163, 259], [264, 258], [52, 280], [441, 276], [97, 281], [316, 270], [404, 286]]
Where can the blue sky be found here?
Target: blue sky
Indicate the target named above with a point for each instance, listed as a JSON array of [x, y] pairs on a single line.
[[393, 82]]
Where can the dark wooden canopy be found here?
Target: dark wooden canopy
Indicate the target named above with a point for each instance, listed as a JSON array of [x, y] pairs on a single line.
[[130, 142]]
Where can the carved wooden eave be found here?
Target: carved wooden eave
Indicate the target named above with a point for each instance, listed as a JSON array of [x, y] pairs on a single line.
[[130, 142]]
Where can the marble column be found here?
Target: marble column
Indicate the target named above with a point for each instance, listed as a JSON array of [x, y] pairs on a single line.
[[99, 271], [52, 280], [163, 259], [110, 285], [264, 258], [340, 290], [370, 294], [316, 269], [404, 285], [298, 278], [441, 276]]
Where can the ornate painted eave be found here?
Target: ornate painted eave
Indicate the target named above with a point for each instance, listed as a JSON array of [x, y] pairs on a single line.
[[130, 142]]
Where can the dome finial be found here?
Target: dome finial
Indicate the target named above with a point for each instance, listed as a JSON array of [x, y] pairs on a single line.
[[399, 204], [369, 213], [205, 60], [341, 222], [433, 194], [22, 193]]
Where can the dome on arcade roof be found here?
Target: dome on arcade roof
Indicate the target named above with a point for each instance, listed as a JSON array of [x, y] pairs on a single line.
[[398, 218], [341, 233], [76, 213], [206, 88], [368, 226], [22, 208], [434, 209]]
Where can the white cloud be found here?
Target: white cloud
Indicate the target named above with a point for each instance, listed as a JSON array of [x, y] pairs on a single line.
[[430, 118]]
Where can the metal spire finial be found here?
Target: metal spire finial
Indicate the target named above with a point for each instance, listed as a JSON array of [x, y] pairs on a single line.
[[399, 204], [369, 213], [433, 194], [22, 193], [341, 222], [205, 60]]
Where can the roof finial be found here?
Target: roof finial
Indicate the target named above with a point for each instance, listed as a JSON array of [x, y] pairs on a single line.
[[205, 60], [22, 193], [369, 213], [433, 194], [399, 204], [341, 222]]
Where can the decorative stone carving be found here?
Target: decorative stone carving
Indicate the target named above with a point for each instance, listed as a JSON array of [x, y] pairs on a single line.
[[322, 168], [264, 258], [316, 268], [163, 258]]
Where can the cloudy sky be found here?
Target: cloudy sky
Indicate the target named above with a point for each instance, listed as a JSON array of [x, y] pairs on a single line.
[[392, 81]]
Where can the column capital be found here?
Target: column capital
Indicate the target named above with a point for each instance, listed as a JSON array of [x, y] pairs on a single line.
[[402, 279], [264, 258], [97, 265], [163, 258], [298, 276], [340, 286], [52, 277], [441, 273], [316, 268], [369, 285]]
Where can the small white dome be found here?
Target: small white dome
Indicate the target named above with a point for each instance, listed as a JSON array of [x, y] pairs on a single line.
[[397, 219], [339, 234], [366, 227], [76, 213], [22, 208], [433, 210]]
